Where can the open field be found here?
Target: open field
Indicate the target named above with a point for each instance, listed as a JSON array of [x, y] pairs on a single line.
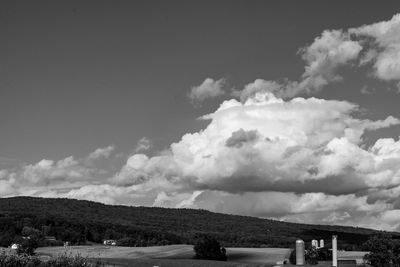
[[173, 255], [182, 255]]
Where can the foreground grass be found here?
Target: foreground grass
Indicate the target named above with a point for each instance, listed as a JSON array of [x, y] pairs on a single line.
[[11, 259], [175, 263]]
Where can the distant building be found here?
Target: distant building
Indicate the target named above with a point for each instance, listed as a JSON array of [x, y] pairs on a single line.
[[314, 243], [110, 242], [14, 246]]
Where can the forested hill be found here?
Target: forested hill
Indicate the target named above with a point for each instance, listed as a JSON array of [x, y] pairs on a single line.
[[78, 221]]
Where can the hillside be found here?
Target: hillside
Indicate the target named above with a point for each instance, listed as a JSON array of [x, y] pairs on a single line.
[[79, 221]]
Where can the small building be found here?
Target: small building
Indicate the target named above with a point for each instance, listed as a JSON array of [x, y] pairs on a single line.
[[314, 243], [50, 238], [110, 242]]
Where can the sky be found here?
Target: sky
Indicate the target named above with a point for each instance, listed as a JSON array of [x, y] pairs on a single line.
[[276, 109]]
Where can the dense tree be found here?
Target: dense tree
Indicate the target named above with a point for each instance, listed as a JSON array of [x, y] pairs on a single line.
[[27, 245], [208, 248], [311, 256], [78, 221], [384, 251]]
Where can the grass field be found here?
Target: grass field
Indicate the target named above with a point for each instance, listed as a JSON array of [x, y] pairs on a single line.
[[174, 255]]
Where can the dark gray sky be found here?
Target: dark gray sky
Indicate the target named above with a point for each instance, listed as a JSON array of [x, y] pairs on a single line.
[[77, 75]]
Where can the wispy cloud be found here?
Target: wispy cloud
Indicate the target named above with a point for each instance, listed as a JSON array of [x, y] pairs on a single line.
[[143, 144], [210, 88], [103, 152]]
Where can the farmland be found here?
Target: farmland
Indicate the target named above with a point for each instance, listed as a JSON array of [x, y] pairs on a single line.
[[173, 255]]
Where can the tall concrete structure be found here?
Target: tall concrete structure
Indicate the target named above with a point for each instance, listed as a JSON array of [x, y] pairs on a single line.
[[321, 243], [300, 255], [334, 250]]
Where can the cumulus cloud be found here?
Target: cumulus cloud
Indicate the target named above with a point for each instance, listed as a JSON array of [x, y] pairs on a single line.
[[323, 57], [47, 175], [302, 159], [329, 51], [268, 144], [377, 44], [103, 152], [385, 51], [210, 88], [274, 158]]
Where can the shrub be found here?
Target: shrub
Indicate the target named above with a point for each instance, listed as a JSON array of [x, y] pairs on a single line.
[[15, 260], [311, 256], [292, 257], [384, 251], [208, 248], [27, 246], [64, 260], [127, 242], [68, 260], [324, 254]]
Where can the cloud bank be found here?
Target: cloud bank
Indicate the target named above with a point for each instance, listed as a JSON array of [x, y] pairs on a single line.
[[300, 160]]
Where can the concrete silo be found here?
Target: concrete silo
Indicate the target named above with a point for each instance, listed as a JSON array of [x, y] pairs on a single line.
[[334, 250], [300, 252], [314, 243]]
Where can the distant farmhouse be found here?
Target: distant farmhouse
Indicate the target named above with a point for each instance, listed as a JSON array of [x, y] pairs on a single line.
[[110, 242]]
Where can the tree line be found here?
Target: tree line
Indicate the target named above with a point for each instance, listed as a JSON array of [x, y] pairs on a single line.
[[78, 221]]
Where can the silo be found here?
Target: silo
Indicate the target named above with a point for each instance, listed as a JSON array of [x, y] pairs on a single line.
[[314, 243], [334, 250], [300, 252], [321, 243]]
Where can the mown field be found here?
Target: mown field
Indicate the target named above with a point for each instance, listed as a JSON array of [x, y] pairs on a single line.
[[173, 255]]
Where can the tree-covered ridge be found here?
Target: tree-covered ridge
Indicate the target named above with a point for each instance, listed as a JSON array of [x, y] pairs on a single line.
[[78, 221]]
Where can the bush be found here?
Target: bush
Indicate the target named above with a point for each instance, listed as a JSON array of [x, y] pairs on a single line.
[[27, 246], [64, 260], [292, 257], [208, 248], [127, 242], [384, 251], [68, 260], [311, 256], [324, 254], [15, 260]]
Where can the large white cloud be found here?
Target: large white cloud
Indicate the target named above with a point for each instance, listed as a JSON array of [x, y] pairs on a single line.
[[267, 143], [270, 157]]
